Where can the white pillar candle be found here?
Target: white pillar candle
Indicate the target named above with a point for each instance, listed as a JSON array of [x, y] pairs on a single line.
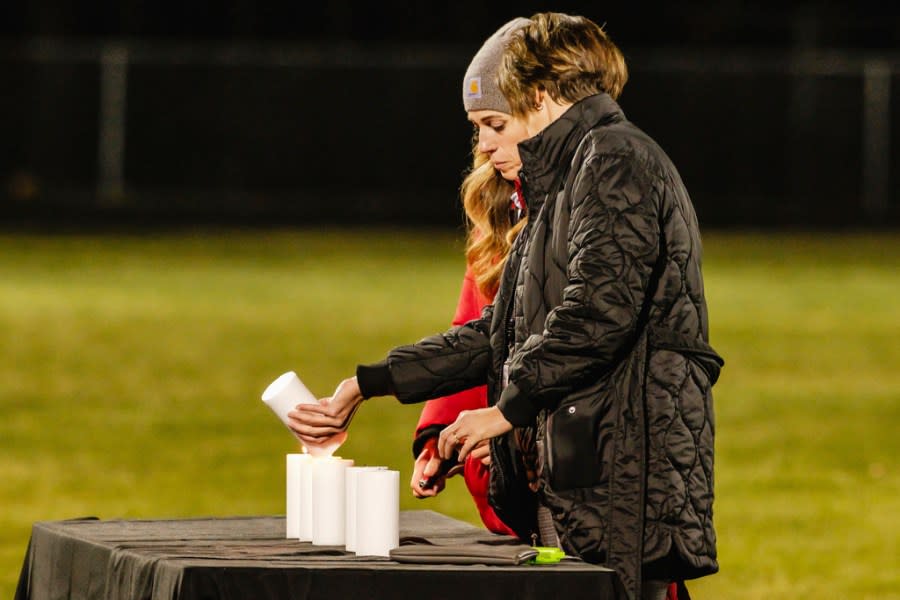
[[352, 499], [294, 463], [283, 395], [377, 512], [329, 491], [306, 500]]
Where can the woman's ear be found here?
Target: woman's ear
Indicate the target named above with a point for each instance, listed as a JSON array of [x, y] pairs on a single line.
[[538, 98]]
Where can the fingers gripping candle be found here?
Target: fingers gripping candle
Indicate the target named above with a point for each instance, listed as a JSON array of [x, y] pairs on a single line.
[[283, 395]]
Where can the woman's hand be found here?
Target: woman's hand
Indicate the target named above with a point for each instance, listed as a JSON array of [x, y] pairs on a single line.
[[471, 428], [482, 452], [315, 424], [426, 465]]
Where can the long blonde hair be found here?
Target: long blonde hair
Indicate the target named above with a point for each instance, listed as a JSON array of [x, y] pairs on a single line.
[[486, 200]]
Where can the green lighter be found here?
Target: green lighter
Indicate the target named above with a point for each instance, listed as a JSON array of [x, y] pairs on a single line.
[[547, 555]]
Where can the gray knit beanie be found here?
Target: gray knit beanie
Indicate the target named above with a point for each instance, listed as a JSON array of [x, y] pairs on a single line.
[[481, 90]]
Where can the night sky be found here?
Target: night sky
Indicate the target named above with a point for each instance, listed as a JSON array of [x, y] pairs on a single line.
[[733, 23]]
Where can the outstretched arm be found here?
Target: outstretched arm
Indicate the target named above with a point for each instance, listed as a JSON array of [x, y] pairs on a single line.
[[437, 365]]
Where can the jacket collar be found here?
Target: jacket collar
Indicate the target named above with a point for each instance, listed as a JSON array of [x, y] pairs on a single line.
[[544, 155]]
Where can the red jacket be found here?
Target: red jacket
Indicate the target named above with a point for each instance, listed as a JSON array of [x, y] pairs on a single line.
[[443, 411]]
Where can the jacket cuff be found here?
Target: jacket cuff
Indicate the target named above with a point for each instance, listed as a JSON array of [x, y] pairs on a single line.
[[374, 380], [423, 436], [515, 407]]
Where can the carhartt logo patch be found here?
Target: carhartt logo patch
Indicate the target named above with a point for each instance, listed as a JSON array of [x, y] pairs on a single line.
[[473, 87]]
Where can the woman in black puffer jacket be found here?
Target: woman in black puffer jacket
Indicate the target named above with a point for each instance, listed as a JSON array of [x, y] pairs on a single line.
[[596, 345]]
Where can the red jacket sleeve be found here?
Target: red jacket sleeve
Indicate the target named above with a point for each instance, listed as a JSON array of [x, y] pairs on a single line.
[[443, 411]]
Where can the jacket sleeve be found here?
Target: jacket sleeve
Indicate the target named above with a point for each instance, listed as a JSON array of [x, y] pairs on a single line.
[[442, 364], [435, 366], [612, 249], [440, 412]]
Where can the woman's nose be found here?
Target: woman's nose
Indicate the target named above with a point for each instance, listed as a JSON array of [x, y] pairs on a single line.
[[486, 143]]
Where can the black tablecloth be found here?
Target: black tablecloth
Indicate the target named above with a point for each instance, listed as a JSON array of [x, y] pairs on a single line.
[[249, 557]]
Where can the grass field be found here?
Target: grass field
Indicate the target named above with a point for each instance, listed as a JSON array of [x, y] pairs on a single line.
[[131, 368]]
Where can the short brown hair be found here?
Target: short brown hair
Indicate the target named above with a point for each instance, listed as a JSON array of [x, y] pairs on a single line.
[[570, 57]]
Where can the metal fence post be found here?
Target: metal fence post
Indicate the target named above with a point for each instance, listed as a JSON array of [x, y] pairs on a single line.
[[111, 125], [876, 139]]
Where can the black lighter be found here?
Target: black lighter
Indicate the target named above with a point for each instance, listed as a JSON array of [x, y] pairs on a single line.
[[443, 469]]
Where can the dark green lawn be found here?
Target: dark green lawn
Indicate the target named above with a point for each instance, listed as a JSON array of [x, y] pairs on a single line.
[[131, 368]]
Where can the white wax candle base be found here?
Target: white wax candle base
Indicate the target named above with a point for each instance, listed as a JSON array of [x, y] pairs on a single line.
[[377, 512]]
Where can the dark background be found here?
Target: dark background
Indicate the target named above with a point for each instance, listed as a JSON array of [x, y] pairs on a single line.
[[777, 114]]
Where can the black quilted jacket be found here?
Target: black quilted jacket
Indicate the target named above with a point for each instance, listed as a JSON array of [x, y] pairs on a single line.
[[610, 362]]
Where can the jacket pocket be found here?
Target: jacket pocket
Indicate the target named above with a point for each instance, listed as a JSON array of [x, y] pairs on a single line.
[[576, 441]]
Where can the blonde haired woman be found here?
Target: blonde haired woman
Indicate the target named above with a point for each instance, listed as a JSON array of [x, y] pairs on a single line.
[[494, 217], [495, 214]]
